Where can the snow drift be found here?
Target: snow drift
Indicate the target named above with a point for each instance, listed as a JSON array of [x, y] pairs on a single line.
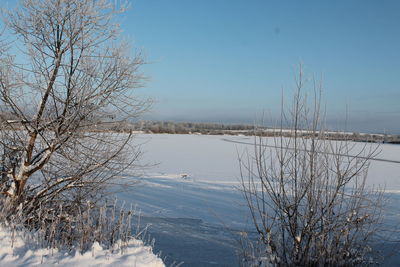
[[19, 248]]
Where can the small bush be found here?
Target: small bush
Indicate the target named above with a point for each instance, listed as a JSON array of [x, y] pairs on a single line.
[[307, 195]]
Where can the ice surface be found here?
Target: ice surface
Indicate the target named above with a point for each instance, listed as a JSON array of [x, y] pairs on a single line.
[[190, 195]]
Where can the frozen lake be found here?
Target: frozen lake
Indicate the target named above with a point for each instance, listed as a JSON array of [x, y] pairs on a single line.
[[188, 194]]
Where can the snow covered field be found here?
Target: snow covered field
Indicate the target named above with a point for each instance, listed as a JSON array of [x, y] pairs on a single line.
[[188, 195]]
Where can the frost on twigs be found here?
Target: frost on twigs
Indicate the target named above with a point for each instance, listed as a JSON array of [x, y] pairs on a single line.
[[57, 102], [307, 194], [70, 81], [26, 252], [103, 234]]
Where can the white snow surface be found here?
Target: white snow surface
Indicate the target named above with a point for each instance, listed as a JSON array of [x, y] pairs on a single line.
[[214, 159], [197, 176], [20, 250], [188, 193]]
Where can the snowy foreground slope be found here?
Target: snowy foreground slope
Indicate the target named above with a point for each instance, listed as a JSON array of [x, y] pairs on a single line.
[[18, 250], [188, 195]]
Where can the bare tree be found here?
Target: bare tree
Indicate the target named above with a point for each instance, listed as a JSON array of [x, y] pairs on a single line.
[[307, 194], [69, 77]]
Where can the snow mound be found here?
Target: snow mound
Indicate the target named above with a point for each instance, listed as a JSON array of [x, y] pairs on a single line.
[[19, 250]]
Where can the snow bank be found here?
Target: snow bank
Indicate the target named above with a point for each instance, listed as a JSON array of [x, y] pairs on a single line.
[[21, 250]]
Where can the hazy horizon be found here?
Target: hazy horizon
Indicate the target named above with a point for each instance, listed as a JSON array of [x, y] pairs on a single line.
[[338, 123], [230, 60]]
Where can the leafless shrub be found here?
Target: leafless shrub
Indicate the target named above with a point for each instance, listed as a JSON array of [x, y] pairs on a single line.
[[307, 195]]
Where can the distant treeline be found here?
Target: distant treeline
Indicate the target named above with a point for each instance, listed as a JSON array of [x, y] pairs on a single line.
[[250, 130], [190, 127], [159, 127]]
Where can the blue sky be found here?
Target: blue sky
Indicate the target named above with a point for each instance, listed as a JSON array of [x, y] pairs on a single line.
[[228, 60]]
